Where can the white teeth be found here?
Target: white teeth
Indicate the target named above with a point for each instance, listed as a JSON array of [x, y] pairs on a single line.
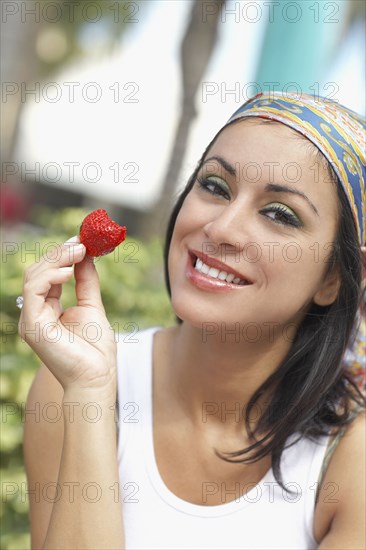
[[213, 272], [217, 274]]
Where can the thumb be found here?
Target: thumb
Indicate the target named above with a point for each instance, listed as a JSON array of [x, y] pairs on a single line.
[[87, 287]]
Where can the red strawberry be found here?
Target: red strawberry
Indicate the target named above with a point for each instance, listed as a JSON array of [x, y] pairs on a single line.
[[100, 234]]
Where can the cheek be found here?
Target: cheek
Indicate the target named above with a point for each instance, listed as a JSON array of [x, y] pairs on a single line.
[[181, 228], [191, 217], [298, 269]]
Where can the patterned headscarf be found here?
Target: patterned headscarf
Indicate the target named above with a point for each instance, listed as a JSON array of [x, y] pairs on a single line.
[[338, 132]]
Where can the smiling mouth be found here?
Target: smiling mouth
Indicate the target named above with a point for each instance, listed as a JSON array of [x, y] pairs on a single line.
[[215, 273]]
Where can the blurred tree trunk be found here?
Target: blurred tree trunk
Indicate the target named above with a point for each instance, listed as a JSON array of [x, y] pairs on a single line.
[[19, 65], [197, 47]]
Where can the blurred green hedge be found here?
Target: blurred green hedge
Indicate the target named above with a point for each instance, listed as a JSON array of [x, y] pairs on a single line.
[[133, 292]]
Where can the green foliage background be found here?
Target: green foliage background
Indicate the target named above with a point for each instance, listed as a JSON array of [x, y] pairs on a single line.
[[133, 292]]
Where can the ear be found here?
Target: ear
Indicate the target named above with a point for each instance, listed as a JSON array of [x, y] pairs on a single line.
[[329, 289]]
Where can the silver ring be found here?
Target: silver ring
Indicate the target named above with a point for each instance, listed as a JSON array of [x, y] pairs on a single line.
[[19, 302]]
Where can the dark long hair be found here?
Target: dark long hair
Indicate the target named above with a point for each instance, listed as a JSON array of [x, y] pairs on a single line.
[[311, 391]]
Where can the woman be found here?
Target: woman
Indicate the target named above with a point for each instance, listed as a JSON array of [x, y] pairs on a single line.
[[235, 425]]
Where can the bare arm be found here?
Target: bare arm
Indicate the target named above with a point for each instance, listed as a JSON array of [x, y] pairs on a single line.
[[42, 447], [71, 463], [90, 514], [81, 488], [347, 469]]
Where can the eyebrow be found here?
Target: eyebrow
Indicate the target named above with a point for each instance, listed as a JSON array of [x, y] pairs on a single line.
[[223, 163], [275, 187], [270, 187]]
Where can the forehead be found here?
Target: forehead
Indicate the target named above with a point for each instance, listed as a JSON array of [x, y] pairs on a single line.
[[259, 140], [277, 154]]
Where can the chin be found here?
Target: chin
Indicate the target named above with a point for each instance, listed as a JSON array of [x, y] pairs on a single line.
[[199, 317], [189, 316]]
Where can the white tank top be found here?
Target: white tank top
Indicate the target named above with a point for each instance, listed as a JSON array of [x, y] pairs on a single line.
[[265, 517]]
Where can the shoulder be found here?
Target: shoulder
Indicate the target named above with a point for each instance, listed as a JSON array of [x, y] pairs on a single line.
[[341, 507]]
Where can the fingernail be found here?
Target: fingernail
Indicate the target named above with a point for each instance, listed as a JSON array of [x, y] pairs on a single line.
[[66, 269], [73, 240], [76, 247]]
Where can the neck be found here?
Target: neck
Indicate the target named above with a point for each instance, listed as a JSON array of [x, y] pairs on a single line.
[[213, 376]]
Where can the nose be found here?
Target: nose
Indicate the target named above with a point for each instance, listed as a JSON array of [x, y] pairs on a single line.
[[232, 228]]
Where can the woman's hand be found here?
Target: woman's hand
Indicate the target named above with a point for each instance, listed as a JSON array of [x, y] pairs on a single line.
[[77, 345]]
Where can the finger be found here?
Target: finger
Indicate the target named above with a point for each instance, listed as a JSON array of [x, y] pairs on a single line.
[[87, 287], [72, 245], [36, 290], [53, 299], [50, 290], [55, 292], [59, 256], [74, 239]]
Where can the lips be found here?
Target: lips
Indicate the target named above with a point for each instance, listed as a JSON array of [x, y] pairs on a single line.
[[208, 272], [215, 263]]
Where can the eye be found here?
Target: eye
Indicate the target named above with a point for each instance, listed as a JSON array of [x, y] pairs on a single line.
[[214, 185], [281, 214]]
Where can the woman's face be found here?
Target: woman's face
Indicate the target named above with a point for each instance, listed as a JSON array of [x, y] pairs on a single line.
[[264, 206]]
